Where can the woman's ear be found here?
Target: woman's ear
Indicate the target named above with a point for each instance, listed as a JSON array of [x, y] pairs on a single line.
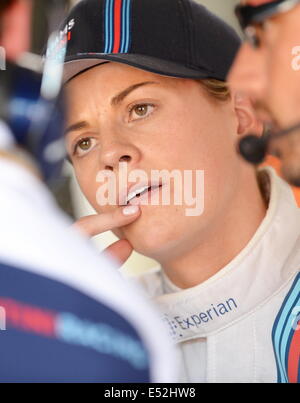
[[248, 123]]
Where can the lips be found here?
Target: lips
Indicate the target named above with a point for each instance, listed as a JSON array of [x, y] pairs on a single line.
[[137, 191]]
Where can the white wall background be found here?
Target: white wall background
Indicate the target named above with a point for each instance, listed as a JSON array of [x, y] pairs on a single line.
[[138, 263]]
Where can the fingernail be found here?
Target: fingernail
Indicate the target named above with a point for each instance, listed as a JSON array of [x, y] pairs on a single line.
[[130, 210]]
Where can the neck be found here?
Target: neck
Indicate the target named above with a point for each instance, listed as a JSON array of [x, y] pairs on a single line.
[[224, 241]]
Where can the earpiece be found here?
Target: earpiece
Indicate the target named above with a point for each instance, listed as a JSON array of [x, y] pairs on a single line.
[[253, 149]]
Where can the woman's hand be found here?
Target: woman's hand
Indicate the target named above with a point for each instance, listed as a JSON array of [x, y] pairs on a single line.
[[96, 224]]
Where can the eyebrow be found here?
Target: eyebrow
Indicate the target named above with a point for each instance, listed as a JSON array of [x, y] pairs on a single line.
[[76, 126], [122, 95], [116, 100]]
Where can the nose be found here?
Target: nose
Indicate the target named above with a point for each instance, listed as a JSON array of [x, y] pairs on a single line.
[[247, 74], [114, 152]]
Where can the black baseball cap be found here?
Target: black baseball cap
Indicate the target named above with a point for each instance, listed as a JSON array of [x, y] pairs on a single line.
[[177, 38]]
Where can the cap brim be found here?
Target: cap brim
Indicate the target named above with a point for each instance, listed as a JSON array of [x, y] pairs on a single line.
[[75, 65]]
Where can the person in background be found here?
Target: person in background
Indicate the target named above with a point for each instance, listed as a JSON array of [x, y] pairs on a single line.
[[267, 68], [66, 315]]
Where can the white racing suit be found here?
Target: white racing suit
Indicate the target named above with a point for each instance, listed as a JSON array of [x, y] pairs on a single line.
[[241, 325]]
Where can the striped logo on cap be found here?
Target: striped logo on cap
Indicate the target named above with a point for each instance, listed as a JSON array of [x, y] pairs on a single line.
[[117, 26]]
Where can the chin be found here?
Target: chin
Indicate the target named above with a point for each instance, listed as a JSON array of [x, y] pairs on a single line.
[[146, 241], [152, 240]]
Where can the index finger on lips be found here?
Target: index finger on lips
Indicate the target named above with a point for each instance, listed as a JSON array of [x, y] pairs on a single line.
[[96, 224]]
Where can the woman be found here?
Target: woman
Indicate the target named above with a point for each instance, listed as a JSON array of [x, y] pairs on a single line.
[[147, 87]]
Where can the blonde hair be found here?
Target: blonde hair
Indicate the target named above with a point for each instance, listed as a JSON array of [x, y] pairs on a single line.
[[218, 89]]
